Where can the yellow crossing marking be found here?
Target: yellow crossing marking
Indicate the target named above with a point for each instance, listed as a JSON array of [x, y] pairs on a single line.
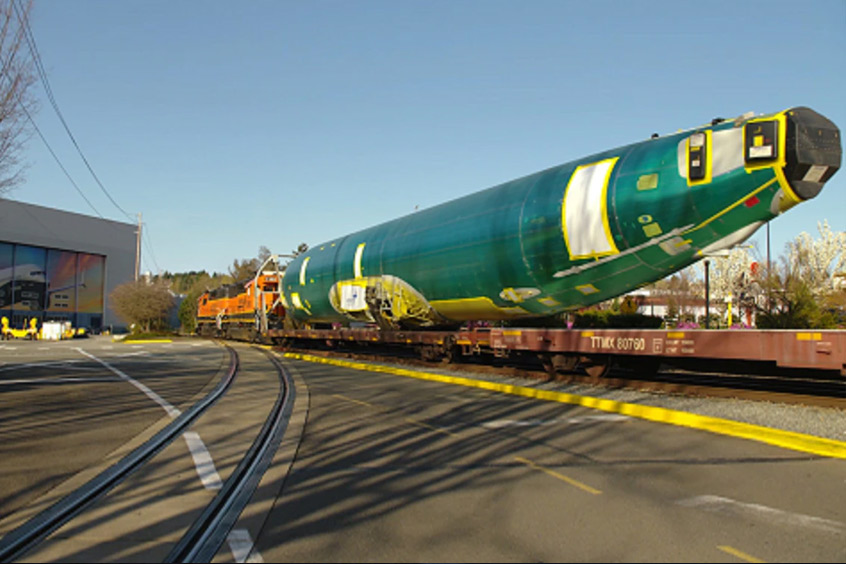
[[407, 419], [739, 554], [364, 403], [430, 427], [562, 477]]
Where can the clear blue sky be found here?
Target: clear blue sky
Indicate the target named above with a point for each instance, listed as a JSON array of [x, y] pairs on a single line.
[[231, 125]]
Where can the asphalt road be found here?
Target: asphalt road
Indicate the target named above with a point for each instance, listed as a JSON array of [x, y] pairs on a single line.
[[64, 405], [394, 469], [387, 468]]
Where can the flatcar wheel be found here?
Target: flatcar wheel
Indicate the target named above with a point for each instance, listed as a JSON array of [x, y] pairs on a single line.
[[448, 350], [554, 364], [597, 366]]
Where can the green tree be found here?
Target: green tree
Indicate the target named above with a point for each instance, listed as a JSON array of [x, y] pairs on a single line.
[[792, 301], [792, 305], [188, 311], [243, 270]]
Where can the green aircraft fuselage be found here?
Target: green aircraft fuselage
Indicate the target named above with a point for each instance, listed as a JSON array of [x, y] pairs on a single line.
[[571, 235]]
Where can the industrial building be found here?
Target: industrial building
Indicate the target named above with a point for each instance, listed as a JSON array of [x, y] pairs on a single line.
[[62, 266]]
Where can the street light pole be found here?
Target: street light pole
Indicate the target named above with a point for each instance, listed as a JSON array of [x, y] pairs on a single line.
[[769, 270], [707, 296], [768, 248]]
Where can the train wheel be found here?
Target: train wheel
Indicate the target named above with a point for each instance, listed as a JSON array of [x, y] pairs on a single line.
[[555, 363], [597, 366], [427, 353], [448, 350]]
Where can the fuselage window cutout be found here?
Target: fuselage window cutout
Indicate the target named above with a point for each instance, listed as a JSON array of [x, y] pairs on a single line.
[[699, 157], [359, 251], [303, 271]]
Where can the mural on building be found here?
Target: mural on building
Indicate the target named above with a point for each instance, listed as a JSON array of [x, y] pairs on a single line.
[[61, 281], [91, 269], [5, 275], [51, 284], [29, 279]]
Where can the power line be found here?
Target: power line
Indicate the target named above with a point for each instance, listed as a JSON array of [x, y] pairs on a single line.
[[145, 239], [42, 75], [4, 73], [49, 148]]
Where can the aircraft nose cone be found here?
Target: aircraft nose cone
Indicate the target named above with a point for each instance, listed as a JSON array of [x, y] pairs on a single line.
[[812, 151]]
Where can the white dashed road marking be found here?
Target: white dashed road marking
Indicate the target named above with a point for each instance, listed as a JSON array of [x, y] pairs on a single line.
[[241, 546], [203, 461], [719, 504]]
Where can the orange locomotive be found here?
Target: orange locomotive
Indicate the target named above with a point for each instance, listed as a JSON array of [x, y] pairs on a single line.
[[242, 310]]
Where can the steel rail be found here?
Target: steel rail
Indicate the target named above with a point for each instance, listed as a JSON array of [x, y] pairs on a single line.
[[25, 537], [205, 537]]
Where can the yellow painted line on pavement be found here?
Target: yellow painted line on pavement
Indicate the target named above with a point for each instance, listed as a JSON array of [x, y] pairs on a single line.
[[407, 419], [364, 403], [559, 476], [430, 427], [784, 439], [739, 554]]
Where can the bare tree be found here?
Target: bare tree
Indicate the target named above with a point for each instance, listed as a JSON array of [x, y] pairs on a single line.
[[144, 304], [17, 77], [263, 254], [681, 292]]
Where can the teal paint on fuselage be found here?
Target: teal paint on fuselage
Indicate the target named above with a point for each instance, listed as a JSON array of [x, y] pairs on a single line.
[[511, 236]]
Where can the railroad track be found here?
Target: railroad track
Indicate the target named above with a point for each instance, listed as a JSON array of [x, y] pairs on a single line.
[[202, 540], [810, 388]]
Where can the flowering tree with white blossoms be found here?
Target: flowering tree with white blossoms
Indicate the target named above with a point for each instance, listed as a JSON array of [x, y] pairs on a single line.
[[806, 291], [730, 274], [821, 262]]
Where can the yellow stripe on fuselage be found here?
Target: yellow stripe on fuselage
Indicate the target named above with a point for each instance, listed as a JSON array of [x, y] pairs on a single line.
[[764, 186]]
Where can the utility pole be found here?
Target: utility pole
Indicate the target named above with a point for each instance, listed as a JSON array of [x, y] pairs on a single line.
[[138, 248]]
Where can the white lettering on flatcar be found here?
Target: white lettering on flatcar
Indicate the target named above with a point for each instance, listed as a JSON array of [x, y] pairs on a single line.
[[618, 343], [631, 343]]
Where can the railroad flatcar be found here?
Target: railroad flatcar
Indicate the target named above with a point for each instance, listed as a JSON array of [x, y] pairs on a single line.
[[572, 235], [242, 311]]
